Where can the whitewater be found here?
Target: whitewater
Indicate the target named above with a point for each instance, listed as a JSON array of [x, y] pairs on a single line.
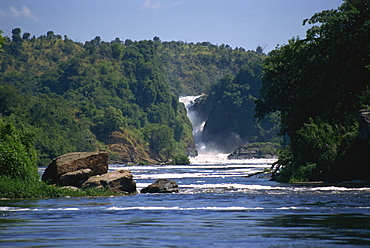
[[217, 206]]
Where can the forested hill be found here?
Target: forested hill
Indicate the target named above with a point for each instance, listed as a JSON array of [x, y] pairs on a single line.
[[120, 96], [192, 68]]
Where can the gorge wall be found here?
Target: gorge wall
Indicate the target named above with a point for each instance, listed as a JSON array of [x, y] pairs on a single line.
[[223, 117]]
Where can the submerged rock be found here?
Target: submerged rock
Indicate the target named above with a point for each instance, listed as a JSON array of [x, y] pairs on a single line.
[[162, 186], [120, 181], [70, 162], [254, 150]]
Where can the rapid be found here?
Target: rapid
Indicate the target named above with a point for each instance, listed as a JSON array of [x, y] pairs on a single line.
[[217, 206]]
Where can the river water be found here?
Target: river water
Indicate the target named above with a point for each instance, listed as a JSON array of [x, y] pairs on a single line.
[[217, 207]]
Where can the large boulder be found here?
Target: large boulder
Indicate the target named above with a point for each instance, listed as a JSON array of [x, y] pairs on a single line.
[[70, 162], [75, 178], [162, 186], [120, 181]]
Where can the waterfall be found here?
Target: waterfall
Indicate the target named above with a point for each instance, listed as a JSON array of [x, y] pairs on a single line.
[[196, 121]]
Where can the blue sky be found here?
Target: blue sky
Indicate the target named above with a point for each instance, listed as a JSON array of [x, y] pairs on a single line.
[[238, 23]]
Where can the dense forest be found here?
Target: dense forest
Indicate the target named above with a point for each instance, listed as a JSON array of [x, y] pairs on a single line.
[[318, 85], [120, 96], [192, 68]]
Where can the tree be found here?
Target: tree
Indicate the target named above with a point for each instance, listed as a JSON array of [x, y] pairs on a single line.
[[317, 85], [1, 41], [117, 50], [259, 50], [161, 139], [16, 37], [50, 35], [96, 41], [26, 36]]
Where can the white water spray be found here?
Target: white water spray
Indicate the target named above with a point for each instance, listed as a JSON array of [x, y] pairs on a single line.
[[206, 154], [196, 121]]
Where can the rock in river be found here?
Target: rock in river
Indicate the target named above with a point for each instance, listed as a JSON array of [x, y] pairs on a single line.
[[120, 181], [162, 186], [254, 150], [70, 162]]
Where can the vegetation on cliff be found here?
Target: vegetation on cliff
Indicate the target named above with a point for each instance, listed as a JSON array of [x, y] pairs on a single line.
[[228, 110], [318, 85]]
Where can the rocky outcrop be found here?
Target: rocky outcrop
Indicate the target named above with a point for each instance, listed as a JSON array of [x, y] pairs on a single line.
[[88, 170], [116, 181], [162, 186], [97, 162], [254, 150], [127, 150]]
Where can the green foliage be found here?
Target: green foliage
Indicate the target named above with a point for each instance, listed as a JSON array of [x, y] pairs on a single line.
[[180, 160], [161, 140], [192, 68], [18, 170], [1, 41], [17, 188], [321, 142], [111, 121], [318, 84], [17, 154]]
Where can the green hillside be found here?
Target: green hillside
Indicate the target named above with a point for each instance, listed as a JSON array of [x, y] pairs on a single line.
[[120, 96], [82, 97]]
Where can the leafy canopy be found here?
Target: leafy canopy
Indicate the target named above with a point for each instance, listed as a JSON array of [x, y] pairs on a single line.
[[318, 84]]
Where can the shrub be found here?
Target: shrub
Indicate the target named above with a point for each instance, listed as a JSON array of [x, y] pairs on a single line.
[[17, 154], [18, 188], [318, 149], [180, 160]]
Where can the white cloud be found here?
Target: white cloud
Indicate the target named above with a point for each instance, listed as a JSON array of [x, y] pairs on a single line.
[[13, 12], [149, 4], [158, 4]]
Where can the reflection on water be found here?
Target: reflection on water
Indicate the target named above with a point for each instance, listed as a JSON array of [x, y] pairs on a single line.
[[217, 207]]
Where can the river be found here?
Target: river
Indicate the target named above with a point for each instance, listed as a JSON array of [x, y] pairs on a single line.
[[217, 207]]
